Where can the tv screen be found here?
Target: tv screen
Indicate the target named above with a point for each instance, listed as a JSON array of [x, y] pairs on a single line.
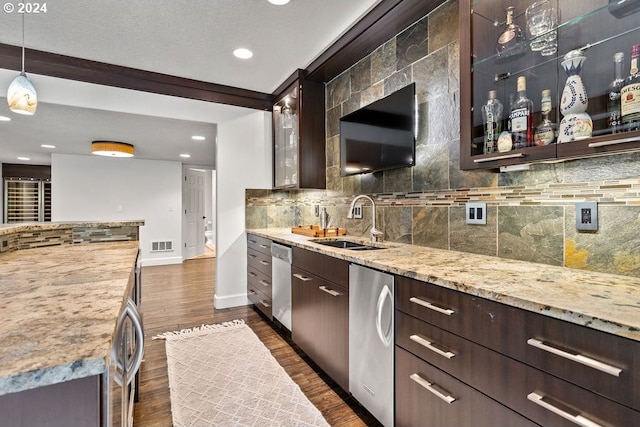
[[379, 136]]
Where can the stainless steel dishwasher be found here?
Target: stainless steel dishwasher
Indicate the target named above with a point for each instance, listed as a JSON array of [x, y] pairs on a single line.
[[281, 283], [371, 341]]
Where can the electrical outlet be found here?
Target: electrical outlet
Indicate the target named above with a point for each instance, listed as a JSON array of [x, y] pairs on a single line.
[[317, 210], [476, 213], [587, 216], [357, 211]]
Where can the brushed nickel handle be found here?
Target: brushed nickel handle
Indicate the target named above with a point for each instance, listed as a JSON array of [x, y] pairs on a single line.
[[264, 283], [253, 241], [429, 345], [263, 246], [252, 292], [430, 306], [265, 304], [613, 142], [263, 262], [252, 274], [252, 256], [301, 277], [491, 159], [429, 387], [584, 360], [330, 291], [576, 419]]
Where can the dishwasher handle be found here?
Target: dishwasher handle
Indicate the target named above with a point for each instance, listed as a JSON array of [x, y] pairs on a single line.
[[385, 337]]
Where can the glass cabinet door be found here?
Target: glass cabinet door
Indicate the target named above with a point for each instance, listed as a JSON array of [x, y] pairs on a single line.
[[286, 136], [558, 55]]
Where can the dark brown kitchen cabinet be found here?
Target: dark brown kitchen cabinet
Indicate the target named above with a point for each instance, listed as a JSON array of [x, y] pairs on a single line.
[[585, 25], [320, 311], [549, 371], [299, 134], [259, 273]]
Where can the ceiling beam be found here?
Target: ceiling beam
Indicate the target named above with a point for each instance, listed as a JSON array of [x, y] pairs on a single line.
[[83, 70]]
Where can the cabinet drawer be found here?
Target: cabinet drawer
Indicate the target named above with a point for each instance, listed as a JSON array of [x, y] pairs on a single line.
[[332, 269], [586, 357], [424, 398], [259, 244], [261, 301], [505, 379], [259, 280], [259, 261]]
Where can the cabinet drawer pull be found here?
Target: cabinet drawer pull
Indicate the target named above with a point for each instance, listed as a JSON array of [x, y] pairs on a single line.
[[330, 291], [252, 274], [506, 156], [263, 246], [429, 345], [253, 241], [301, 277], [252, 256], [264, 262], [265, 304], [430, 306], [264, 283], [252, 292], [429, 386], [587, 361], [613, 142], [576, 419]]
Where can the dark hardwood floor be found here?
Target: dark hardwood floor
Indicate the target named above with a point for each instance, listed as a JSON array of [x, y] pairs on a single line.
[[181, 296]]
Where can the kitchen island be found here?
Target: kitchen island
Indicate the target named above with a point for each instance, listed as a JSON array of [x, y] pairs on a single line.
[[63, 287]]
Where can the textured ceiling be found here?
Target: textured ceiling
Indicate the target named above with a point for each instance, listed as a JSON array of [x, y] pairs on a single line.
[[192, 39]]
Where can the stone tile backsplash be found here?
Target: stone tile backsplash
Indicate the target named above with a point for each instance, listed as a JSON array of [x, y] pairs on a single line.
[[530, 214]]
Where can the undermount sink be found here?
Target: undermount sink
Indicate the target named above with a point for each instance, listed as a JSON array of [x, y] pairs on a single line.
[[347, 244]]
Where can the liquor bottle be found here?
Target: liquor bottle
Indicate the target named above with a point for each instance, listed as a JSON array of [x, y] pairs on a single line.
[[545, 133], [630, 94], [512, 41], [613, 104], [521, 117], [492, 117]]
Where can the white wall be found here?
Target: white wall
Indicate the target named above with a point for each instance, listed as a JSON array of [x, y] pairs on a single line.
[[243, 161], [101, 188]]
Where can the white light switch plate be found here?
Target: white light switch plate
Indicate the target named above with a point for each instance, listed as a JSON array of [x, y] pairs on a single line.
[[476, 213], [357, 211]]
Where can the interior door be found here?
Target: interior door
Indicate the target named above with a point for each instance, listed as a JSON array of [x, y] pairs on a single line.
[[193, 197]]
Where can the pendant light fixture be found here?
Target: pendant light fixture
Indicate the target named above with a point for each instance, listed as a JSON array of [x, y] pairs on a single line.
[[21, 95]]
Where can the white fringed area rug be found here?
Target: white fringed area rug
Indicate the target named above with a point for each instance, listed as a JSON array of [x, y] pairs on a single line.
[[222, 375]]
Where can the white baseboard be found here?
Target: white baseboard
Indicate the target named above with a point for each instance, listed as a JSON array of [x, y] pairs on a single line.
[[230, 301], [147, 262]]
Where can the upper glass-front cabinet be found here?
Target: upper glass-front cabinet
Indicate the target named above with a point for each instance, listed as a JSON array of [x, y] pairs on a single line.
[[538, 80], [299, 134]]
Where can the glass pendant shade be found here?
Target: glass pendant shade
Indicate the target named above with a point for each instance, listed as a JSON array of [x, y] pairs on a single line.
[[21, 95]]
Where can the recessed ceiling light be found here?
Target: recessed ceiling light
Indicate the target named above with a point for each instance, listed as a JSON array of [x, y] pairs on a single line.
[[47, 146], [279, 2], [242, 53], [186, 156], [24, 158], [5, 119], [198, 138]]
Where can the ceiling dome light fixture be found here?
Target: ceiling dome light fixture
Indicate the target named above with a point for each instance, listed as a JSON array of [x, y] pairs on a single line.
[[112, 149], [21, 95], [242, 53]]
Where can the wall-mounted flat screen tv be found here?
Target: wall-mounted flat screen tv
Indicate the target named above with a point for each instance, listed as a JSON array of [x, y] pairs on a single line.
[[379, 136]]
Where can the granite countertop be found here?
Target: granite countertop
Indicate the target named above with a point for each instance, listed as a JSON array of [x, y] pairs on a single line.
[[58, 311], [606, 302], [31, 226]]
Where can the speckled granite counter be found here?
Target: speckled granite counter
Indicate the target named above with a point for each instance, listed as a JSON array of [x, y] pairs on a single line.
[[58, 311], [606, 302]]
